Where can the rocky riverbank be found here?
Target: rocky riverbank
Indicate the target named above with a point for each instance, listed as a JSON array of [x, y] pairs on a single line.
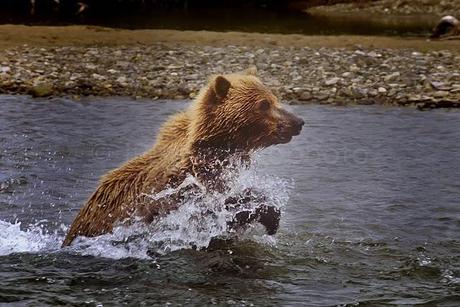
[[300, 75], [176, 64]]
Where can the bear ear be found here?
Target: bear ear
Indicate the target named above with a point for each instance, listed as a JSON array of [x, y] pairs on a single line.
[[221, 87], [252, 71]]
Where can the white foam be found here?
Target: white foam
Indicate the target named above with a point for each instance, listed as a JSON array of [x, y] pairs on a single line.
[[200, 217], [32, 239]]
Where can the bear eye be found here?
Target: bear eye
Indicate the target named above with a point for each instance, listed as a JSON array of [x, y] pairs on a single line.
[[264, 105]]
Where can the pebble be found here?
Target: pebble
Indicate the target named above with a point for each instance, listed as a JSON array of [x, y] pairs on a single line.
[[332, 81], [440, 94], [121, 79], [98, 77], [392, 77], [354, 68], [437, 84], [5, 69]]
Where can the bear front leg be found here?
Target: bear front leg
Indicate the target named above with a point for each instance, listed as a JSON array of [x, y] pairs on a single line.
[[268, 216]]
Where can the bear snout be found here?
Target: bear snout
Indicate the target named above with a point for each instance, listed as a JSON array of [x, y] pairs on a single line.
[[295, 128], [293, 123], [298, 124], [288, 126]]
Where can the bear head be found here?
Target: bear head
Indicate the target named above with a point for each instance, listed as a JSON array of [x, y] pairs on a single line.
[[237, 112]]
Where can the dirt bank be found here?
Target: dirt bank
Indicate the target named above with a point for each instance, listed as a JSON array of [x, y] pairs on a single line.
[[39, 36]]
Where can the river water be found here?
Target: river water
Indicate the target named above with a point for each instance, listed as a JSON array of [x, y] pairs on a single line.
[[245, 20], [370, 198]]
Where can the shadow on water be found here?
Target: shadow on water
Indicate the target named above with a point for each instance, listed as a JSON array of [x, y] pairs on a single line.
[[246, 20], [283, 22]]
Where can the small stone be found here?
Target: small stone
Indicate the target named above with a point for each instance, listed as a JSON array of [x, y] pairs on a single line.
[[5, 69], [382, 90], [348, 92], [297, 89], [332, 81], [98, 77], [354, 68], [123, 64], [374, 54], [392, 77], [297, 78], [322, 97], [392, 92], [305, 96], [360, 92], [121, 79], [436, 84], [42, 90], [440, 94], [413, 98]]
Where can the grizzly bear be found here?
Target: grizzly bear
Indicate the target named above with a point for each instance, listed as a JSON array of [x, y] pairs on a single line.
[[232, 116]]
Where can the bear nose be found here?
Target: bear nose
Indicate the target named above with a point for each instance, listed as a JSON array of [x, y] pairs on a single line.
[[299, 122]]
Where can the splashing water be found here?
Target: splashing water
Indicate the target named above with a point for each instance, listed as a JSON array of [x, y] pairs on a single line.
[[201, 216], [33, 239]]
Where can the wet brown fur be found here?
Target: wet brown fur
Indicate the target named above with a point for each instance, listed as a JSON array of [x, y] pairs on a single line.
[[213, 127]]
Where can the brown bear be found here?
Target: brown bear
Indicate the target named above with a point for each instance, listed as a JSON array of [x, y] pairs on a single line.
[[232, 116]]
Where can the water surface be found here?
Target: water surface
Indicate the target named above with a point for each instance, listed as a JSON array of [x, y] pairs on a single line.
[[244, 20], [373, 215]]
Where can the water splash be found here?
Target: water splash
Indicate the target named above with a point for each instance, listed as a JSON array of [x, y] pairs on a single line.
[[201, 216], [33, 239]]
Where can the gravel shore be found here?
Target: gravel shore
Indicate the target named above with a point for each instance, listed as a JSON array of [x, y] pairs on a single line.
[[299, 74]]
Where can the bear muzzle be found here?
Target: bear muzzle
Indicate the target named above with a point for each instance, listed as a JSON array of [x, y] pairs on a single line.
[[288, 126]]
